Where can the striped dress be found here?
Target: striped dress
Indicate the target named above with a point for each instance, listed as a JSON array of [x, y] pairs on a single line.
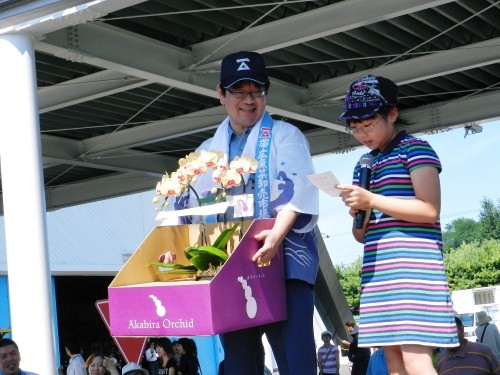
[[404, 291]]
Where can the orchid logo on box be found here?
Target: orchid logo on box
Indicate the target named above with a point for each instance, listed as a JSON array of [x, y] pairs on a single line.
[[251, 306], [160, 309]]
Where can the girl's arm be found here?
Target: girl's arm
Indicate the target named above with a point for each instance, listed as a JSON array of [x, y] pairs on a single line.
[[425, 208]]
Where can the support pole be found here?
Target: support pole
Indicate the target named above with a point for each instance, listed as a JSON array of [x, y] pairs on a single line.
[[24, 206]]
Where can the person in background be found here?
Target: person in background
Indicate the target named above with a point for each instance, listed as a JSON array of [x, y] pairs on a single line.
[[10, 358], [177, 351], [469, 358], [350, 329], [166, 358], [282, 191], [131, 368], [357, 355], [188, 364], [405, 303], [487, 333], [377, 365], [328, 356], [76, 362], [95, 364], [350, 325], [152, 358]]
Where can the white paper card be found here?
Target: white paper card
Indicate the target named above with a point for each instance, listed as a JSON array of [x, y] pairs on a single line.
[[217, 208], [326, 181]]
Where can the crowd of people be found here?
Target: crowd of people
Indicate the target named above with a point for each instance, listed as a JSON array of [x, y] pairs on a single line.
[[162, 356]]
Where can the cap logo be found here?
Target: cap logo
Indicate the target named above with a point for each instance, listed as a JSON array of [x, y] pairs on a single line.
[[359, 86], [243, 65]]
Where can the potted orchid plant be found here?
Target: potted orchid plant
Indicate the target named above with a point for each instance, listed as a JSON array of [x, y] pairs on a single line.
[[205, 259]]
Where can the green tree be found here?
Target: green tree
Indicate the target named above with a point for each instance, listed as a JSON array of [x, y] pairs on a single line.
[[489, 219], [350, 279], [460, 231], [473, 265]]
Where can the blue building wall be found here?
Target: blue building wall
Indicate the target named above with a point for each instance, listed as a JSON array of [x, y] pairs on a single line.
[[4, 304], [5, 321]]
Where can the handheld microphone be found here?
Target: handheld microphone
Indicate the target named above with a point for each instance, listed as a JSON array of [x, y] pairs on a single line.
[[365, 162]]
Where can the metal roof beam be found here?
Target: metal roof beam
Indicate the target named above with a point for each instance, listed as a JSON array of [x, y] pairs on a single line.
[[44, 16], [158, 62], [58, 150], [416, 69], [165, 64], [98, 189], [156, 131], [321, 22], [82, 89]]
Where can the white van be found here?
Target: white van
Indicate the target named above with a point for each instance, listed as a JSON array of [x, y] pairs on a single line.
[[467, 303]]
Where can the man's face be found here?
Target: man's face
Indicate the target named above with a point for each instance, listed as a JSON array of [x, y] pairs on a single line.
[[243, 112], [350, 329], [9, 360]]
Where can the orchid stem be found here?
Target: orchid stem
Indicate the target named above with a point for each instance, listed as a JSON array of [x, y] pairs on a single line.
[[204, 239]]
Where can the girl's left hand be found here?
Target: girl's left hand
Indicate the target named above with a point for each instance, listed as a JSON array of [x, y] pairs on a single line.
[[355, 197]]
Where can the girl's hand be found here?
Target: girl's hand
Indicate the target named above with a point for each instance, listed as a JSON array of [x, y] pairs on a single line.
[[355, 197]]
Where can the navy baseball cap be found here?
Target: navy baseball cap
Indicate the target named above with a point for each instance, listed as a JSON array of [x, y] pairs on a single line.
[[367, 95], [243, 66]]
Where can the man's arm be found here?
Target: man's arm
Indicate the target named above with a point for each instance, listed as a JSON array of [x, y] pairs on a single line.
[[273, 238]]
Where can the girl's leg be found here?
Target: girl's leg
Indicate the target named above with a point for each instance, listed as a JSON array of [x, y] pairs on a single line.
[[394, 359], [418, 360]]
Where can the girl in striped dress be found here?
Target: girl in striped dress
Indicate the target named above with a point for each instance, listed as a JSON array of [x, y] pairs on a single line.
[[405, 302]]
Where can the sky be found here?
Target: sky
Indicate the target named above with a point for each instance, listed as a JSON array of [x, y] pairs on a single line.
[[470, 173]]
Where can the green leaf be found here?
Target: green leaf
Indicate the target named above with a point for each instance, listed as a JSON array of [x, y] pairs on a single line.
[[175, 266], [190, 251], [221, 241], [191, 271], [193, 251], [202, 261]]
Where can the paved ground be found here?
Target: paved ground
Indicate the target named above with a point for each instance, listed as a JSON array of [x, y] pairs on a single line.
[[344, 370]]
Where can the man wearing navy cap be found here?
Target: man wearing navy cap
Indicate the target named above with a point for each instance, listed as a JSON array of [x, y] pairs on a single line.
[[280, 190]]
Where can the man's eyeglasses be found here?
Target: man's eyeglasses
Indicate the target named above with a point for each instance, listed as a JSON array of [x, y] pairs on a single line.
[[240, 94], [362, 129]]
